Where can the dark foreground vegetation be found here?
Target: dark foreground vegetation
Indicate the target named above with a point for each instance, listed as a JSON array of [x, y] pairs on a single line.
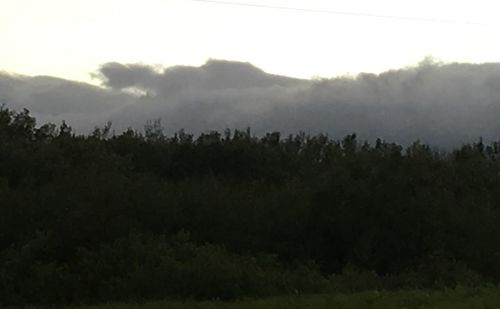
[[138, 217], [459, 298]]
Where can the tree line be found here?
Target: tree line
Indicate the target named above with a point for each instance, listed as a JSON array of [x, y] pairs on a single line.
[[142, 215]]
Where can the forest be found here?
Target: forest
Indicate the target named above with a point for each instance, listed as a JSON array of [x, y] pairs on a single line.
[[141, 215]]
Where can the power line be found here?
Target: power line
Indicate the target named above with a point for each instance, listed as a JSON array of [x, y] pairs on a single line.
[[347, 13]]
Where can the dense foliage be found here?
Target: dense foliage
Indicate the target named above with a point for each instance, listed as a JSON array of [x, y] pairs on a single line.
[[140, 216], [458, 298]]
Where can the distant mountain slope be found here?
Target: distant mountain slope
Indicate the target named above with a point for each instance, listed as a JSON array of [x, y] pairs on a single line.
[[55, 99], [444, 104]]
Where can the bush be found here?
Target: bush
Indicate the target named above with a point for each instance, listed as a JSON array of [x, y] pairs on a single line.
[[143, 267], [353, 279]]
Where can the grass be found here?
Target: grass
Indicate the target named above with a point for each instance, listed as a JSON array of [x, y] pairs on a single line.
[[459, 298]]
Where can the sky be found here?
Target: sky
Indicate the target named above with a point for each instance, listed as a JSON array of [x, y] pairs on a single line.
[[201, 66], [71, 39]]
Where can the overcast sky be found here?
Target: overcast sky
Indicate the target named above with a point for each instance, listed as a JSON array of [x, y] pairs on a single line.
[[150, 59], [70, 39]]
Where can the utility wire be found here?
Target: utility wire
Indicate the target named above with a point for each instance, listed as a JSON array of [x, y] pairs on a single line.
[[347, 13]]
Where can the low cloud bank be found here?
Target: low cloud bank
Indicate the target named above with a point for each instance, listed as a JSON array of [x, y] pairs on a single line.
[[51, 99], [441, 104]]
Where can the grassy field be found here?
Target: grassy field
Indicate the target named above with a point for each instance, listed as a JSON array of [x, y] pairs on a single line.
[[481, 298]]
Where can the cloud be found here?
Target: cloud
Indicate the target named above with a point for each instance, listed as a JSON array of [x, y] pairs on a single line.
[[214, 75], [442, 104], [121, 76], [52, 99]]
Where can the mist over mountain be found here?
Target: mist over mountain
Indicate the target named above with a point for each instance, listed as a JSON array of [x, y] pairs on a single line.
[[441, 104], [52, 99]]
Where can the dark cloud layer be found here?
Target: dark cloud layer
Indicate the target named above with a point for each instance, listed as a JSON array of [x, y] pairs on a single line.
[[445, 104], [52, 99]]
